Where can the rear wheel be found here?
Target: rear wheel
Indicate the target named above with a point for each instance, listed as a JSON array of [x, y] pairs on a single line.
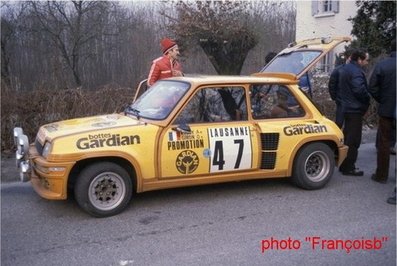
[[313, 166], [103, 189]]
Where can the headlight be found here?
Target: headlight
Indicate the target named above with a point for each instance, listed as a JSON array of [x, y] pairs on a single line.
[[23, 145], [47, 149], [17, 132]]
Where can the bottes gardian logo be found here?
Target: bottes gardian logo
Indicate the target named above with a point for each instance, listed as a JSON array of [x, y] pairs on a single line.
[[187, 162]]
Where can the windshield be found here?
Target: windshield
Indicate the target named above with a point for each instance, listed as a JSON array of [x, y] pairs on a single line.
[[159, 100], [293, 62]]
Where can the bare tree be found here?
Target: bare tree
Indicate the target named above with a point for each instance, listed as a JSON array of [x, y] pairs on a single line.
[[64, 44], [93, 44], [222, 29], [10, 25], [274, 23], [71, 26], [7, 31]]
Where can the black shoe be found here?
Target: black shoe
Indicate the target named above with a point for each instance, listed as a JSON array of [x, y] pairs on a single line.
[[376, 179], [354, 172], [392, 200]]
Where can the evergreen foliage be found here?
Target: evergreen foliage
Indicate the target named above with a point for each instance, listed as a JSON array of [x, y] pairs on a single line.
[[374, 26]]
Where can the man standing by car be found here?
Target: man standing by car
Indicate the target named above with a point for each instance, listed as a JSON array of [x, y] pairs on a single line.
[[382, 87], [167, 65], [334, 90], [354, 102]]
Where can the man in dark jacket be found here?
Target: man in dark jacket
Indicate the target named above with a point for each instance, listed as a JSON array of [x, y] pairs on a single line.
[[354, 102], [334, 90], [382, 87]]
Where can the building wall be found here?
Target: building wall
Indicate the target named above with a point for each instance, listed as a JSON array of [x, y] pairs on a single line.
[[324, 24], [335, 24]]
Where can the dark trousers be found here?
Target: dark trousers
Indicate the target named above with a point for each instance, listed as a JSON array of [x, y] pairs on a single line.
[[352, 130], [339, 116], [393, 137], [385, 131]]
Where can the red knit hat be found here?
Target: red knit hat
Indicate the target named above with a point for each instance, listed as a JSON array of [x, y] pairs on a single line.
[[167, 44]]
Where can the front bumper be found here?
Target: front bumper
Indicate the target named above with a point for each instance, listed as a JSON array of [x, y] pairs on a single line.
[[49, 179]]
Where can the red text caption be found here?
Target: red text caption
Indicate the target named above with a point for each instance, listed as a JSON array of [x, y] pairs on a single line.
[[318, 243]]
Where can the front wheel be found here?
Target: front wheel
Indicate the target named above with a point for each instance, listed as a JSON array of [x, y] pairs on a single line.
[[313, 166], [103, 189]]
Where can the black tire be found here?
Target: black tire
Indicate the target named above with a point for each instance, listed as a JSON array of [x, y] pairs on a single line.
[[103, 189], [313, 166]]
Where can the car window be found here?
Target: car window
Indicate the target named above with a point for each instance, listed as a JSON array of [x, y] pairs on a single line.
[[158, 101], [215, 104], [274, 101], [293, 62]]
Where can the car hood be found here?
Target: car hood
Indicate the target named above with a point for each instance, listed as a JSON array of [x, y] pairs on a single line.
[[86, 124]]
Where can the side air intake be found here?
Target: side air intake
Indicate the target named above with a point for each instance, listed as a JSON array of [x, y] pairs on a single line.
[[269, 143]]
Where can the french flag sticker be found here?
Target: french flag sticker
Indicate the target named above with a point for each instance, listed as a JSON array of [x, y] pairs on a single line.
[[174, 136]]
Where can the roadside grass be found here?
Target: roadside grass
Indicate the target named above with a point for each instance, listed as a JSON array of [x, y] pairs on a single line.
[[32, 109]]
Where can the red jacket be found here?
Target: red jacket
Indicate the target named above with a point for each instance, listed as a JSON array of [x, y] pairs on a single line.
[[161, 69]]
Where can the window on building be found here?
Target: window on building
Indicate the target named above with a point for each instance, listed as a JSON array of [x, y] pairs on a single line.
[[324, 8], [327, 6]]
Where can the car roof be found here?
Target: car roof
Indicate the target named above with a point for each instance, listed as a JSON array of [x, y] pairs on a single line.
[[280, 78]]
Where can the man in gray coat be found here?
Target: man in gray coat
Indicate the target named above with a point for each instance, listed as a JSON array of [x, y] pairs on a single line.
[[382, 87]]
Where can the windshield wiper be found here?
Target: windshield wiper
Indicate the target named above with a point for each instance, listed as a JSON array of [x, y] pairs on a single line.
[[132, 111]]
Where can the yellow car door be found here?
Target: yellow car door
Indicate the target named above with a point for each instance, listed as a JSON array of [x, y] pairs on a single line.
[[211, 135]]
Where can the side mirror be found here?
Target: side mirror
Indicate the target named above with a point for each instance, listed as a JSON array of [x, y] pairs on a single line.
[[183, 128]]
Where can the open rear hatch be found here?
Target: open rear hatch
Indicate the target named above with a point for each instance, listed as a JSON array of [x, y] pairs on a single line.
[[301, 56]]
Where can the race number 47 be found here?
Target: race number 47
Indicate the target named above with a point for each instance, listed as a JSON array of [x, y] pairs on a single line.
[[219, 157], [230, 149]]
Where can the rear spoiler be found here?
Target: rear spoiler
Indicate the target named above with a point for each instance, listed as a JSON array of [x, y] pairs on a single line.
[[282, 75]]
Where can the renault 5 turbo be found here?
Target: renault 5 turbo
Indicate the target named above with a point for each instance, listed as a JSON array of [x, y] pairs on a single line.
[[188, 131]]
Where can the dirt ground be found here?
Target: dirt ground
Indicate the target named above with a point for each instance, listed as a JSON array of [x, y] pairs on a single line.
[[9, 171]]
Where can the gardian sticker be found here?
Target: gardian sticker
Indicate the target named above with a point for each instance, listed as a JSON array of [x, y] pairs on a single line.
[[187, 162]]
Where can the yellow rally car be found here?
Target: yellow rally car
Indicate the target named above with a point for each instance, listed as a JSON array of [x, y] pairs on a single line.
[[189, 131]]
